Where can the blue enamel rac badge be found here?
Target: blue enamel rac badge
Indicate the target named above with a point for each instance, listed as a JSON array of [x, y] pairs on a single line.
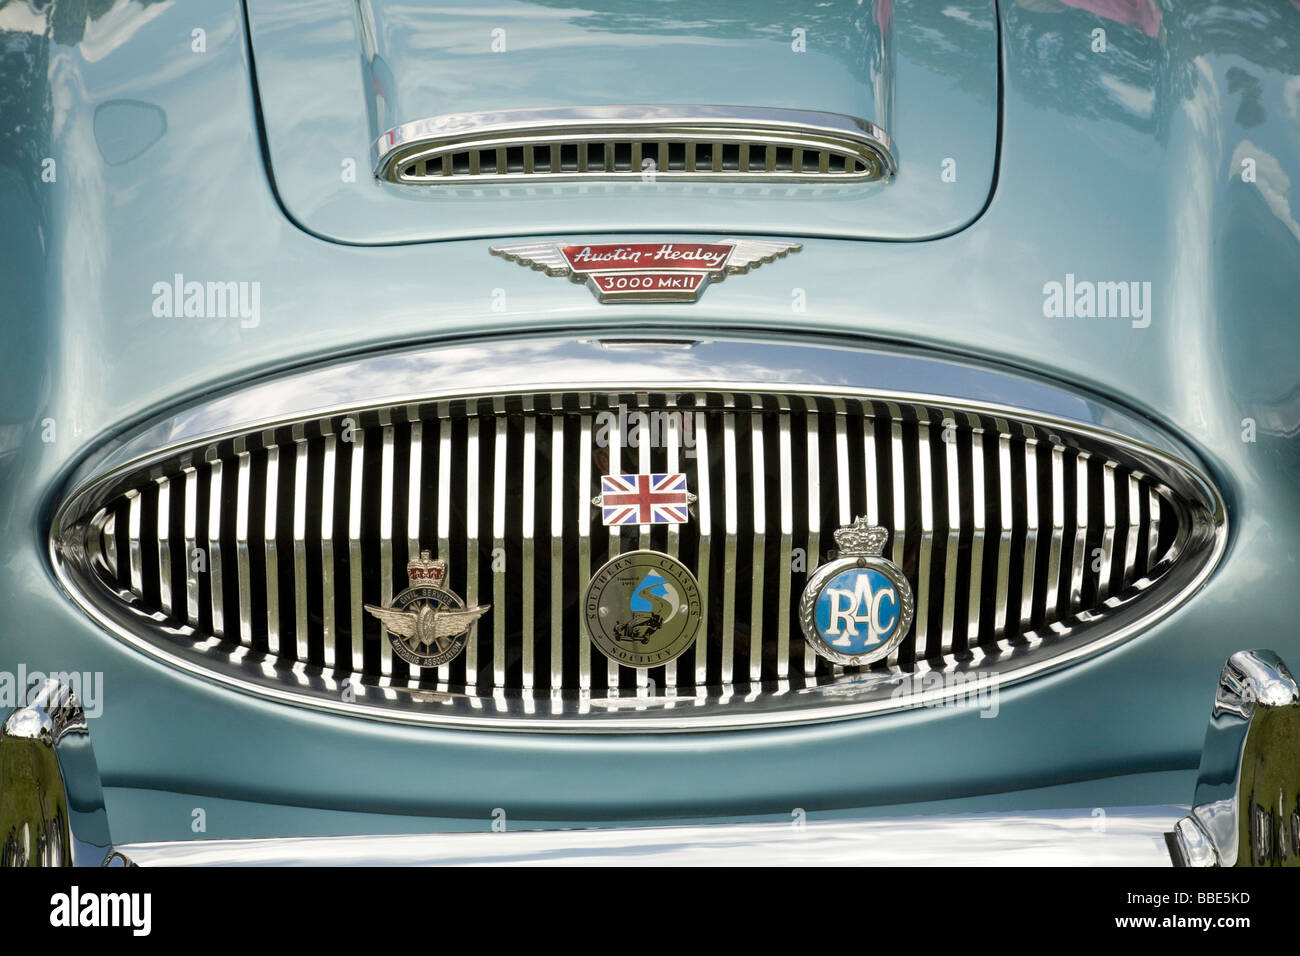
[[858, 607]]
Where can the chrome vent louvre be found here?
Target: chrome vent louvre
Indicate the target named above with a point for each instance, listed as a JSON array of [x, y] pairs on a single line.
[[595, 143], [260, 549], [599, 157]]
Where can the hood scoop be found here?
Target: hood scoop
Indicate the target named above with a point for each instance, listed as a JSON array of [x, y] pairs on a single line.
[[708, 143], [393, 122]]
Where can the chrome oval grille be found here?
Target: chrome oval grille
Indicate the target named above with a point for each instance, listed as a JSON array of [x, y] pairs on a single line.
[[635, 142], [1024, 541]]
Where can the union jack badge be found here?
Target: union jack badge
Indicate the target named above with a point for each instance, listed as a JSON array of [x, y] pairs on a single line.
[[647, 271], [644, 499]]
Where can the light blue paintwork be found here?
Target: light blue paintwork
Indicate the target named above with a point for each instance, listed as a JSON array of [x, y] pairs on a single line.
[[930, 83], [1118, 166]]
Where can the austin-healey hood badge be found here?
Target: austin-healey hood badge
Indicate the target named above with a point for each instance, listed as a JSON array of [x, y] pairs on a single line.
[[647, 271], [427, 624], [858, 607]]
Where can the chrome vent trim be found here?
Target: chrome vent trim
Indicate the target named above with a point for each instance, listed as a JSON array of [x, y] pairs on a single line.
[[312, 511], [709, 143]]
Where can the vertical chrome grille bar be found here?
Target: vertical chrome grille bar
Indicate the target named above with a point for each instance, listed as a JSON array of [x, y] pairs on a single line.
[[356, 503], [528, 500], [706, 533], [1006, 523], [216, 586], [1031, 528], [471, 540], [110, 542], [584, 546], [814, 514], [301, 648], [329, 632], [900, 488], [952, 549], [1153, 529], [1108, 529], [784, 572], [1058, 530], [1078, 562], [164, 546], [926, 474], [414, 491], [978, 522], [271, 545], [386, 453], [499, 542], [135, 553], [730, 519], [191, 545], [243, 575], [672, 439], [557, 545], [758, 481], [870, 476], [1134, 527], [844, 501]]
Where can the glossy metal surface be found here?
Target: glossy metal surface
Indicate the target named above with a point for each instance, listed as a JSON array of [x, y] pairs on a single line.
[[1122, 837], [327, 94], [1151, 188], [477, 693], [51, 804], [593, 143], [1247, 806]]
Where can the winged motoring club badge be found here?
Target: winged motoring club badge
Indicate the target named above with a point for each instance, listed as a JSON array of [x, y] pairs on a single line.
[[427, 624], [647, 271]]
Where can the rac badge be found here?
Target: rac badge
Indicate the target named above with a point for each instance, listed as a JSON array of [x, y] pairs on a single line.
[[642, 608], [857, 608], [647, 271], [427, 624]]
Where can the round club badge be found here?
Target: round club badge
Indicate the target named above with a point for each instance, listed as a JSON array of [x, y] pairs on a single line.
[[859, 607], [642, 608]]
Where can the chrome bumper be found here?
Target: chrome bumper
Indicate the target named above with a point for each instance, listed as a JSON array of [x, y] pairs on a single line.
[[1129, 837], [1246, 812]]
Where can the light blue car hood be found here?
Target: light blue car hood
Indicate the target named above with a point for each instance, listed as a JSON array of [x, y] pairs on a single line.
[[925, 72]]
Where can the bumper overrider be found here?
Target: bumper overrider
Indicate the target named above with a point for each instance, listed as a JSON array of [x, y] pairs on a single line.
[[1245, 812]]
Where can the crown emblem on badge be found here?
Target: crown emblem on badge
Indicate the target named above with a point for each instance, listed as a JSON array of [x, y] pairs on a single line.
[[425, 568], [861, 538]]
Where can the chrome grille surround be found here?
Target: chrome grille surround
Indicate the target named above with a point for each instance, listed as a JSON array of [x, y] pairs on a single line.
[[711, 143], [433, 468]]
